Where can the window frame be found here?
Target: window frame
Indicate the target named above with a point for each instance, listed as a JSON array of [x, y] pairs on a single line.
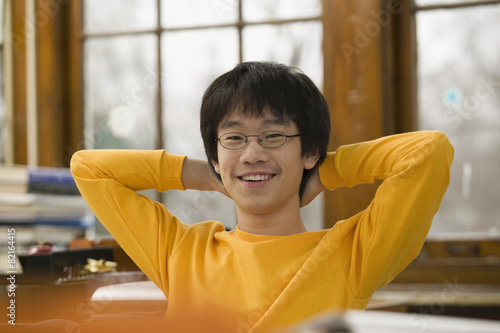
[[46, 82], [389, 103], [159, 32], [392, 55]]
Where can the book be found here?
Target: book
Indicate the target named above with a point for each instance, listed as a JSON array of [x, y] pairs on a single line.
[[42, 204], [25, 179], [51, 180], [13, 179], [49, 209], [47, 201]]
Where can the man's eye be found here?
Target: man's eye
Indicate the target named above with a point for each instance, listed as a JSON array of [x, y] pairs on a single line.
[[271, 136], [234, 138]]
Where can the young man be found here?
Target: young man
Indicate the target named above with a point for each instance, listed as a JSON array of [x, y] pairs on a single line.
[[265, 129]]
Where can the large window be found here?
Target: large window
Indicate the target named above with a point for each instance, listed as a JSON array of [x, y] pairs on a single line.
[[3, 120], [459, 93], [147, 64]]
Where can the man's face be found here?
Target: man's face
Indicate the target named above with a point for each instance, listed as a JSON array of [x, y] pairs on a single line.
[[260, 179]]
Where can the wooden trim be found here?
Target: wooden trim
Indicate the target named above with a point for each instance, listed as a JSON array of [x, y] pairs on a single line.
[[370, 82], [8, 76], [59, 81], [353, 89], [481, 248], [484, 271], [74, 22], [18, 40], [49, 86], [400, 68]]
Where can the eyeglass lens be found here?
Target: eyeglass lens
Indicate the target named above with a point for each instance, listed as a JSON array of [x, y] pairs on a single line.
[[270, 139]]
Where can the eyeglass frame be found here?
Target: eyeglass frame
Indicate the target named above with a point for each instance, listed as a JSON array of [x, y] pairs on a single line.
[[259, 140]]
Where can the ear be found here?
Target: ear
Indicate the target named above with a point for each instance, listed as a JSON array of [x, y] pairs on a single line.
[[216, 167], [310, 160]]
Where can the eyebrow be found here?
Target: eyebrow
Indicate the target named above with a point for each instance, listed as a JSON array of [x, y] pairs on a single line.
[[267, 122]]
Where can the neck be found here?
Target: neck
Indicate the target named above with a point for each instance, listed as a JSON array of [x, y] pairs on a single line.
[[281, 222]]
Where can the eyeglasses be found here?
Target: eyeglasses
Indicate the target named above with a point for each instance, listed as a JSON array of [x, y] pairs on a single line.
[[268, 139]]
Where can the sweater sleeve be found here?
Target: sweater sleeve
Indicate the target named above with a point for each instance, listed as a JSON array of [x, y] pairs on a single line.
[[382, 240], [146, 230]]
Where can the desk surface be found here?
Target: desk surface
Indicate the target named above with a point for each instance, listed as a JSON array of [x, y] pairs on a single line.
[[394, 293], [139, 290], [390, 296]]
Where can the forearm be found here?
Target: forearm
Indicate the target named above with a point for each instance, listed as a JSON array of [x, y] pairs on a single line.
[[197, 175], [134, 169], [146, 230], [389, 233], [385, 157]]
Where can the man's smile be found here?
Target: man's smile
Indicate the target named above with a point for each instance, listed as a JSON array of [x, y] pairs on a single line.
[[256, 178]]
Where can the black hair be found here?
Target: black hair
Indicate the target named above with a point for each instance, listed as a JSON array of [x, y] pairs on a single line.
[[253, 86]]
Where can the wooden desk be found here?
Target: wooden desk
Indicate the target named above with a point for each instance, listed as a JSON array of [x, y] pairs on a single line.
[[448, 299], [445, 294], [455, 277], [132, 297]]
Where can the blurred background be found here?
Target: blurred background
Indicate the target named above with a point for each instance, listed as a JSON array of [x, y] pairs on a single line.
[[129, 74]]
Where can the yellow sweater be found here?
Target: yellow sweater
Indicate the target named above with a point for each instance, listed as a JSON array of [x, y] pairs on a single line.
[[252, 282]]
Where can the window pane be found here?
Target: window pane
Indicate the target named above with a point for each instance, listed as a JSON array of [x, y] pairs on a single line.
[[192, 60], [119, 15], [2, 19], [259, 10], [296, 44], [120, 88], [3, 120], [459, 85], [198, 12]]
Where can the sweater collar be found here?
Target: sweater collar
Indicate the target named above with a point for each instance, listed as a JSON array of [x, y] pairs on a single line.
[[253, 238]]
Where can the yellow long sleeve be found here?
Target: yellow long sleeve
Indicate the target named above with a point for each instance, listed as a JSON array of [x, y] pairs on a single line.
[[108, 181], [247, 283], [389, 234]]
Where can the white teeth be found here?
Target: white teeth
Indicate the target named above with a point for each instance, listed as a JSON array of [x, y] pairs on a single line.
[[256, 178]]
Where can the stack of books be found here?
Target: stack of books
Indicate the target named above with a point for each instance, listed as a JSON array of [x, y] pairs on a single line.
[[42, 204]]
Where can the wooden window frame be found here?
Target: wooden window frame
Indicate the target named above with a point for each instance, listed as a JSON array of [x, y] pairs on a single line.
[[373, 92], [18, 56], [56, 75], [4, 20], [369, 82], [60, 108], [159, 30]]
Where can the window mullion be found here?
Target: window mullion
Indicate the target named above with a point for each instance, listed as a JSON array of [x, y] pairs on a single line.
[[457, 5]]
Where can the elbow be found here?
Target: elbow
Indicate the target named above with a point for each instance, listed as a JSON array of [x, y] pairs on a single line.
[[440, 159], [77, 164], [443, 148]]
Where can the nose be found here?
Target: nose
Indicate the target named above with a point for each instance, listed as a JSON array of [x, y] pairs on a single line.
[[253, 152]]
